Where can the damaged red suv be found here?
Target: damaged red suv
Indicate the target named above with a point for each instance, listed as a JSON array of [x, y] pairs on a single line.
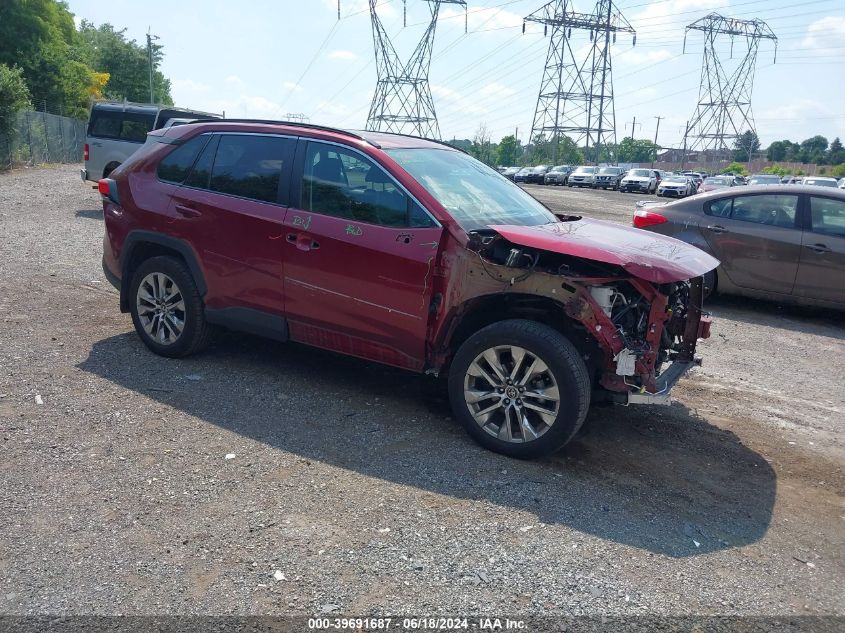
[[407, 252]]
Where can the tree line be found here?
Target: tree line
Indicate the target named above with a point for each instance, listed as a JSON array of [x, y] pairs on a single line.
[[47, 62]]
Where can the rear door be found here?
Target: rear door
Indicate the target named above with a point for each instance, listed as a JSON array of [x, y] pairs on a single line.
[[232, 208], [821, 271], [757, 239], [359, 256]]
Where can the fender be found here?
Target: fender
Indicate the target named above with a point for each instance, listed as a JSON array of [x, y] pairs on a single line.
[[140, 237]]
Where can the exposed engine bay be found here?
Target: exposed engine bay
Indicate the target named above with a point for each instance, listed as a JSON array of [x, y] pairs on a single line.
[[637, 325]]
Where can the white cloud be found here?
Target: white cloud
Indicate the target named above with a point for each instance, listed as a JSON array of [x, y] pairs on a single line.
[[343, 55], [826, 35], [292, 87], [635, 57], [234, 80], [189, 85], [496, 89]]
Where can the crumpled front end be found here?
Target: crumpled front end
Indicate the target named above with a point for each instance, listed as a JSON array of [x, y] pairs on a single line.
[[633, 307]]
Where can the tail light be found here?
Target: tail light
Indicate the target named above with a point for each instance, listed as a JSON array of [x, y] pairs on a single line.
[[644, 218], [85, 151], [108, 188]]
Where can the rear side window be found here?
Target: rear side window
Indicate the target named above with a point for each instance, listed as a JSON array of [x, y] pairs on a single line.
[[828, 216], [252, 166], [175, 166], [201, 173], [771, 210], [124, 126]]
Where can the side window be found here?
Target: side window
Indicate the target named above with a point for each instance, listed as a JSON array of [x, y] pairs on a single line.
[[251, 166], [344, 184], [721, 208], [828, 216], [175, 166], [201, 173], [772, 210], [125, 126]]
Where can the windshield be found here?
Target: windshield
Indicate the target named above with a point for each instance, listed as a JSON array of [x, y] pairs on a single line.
[[586, 170], [475, 195], [560, 168], [642, 173], [678, 180], [717, 181], [763, 179], [820, 181], [609, 170]]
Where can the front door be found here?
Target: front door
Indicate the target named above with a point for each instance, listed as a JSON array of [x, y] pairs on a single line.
[[821, 271], [359, 254], [756, 238]]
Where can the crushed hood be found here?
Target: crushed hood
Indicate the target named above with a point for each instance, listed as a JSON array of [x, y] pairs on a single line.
[[649, 256]]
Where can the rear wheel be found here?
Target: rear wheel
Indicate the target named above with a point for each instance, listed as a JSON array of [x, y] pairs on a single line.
[[519, 388], [167, 309]]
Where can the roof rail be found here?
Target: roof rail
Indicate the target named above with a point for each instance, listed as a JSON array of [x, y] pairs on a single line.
[[422, 138], [324, 128]]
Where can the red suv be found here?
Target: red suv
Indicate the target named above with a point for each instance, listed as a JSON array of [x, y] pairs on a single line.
[[404, 251]]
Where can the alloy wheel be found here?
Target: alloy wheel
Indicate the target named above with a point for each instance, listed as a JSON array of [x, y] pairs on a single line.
[[161, 308], [511, 393]]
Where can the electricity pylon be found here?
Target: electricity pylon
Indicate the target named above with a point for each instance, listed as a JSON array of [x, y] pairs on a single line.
[[724, 113], [576, 97], [402, 102]]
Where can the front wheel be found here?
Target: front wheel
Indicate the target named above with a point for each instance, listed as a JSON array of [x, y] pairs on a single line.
[[520, 388]]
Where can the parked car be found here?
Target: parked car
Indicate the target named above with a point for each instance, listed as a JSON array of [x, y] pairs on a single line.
[[558, 175], [522, 174], [697, 177], [581, 177], [676, 187], [639, 180], [510, 172], [407, 252], [764, 179], [716, 182], [786, 244], [608, 177], [117, 129], [820, 181], [538, 174]]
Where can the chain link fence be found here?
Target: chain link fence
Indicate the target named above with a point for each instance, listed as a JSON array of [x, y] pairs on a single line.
[[34, 138]]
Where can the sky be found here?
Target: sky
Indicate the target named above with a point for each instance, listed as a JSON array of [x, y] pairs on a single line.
[[268, 59]]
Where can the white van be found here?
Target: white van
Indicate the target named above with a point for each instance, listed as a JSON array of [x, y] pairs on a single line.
[[117, 129]]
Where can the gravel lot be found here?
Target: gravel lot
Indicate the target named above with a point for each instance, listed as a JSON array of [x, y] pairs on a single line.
[[351, 490]]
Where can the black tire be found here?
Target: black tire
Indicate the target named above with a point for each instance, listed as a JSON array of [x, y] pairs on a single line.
[[109, 169], [196, 333], [710, 284], [564, 363]]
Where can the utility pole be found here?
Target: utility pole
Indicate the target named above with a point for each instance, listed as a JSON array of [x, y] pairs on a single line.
[[633, 126], [150, 39], [656, 130]]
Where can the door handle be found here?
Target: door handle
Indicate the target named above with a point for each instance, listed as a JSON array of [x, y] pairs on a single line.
[[188, 212], [717, 228], [303, 242], [818, 248]]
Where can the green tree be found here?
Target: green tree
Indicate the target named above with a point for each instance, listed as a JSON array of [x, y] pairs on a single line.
[[775, 170], [509, 151], [107, 50], [14, 96], [631, 150], [836, 153], [838, 171], [737, 168], [745, 146], [813, 149], [777, 150]]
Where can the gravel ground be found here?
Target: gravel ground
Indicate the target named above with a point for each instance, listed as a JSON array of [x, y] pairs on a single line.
[[261, 478]]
